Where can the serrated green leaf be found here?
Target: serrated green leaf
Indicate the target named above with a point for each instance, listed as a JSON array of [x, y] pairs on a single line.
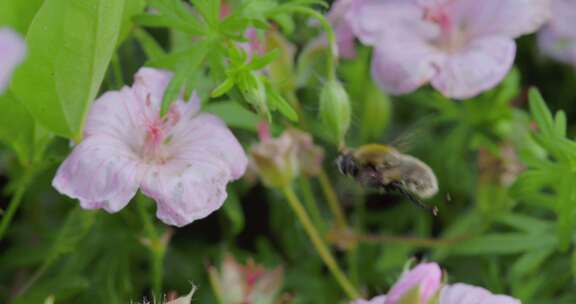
[[560, 124], [65, 67], [223, 88], [152, 49], [261, 62], [194, 59], [540, 112]]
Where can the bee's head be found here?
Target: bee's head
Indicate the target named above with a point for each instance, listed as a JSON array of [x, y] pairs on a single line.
[[347, 164]]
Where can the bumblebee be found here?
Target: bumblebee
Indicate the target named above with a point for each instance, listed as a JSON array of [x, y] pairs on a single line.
[[384, 167]]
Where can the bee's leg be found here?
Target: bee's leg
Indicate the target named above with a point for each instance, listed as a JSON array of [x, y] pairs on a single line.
[[412, 198]]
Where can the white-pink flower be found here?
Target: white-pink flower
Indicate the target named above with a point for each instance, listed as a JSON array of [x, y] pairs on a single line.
[[342, 28], [183, 160], [427, 277], [558, 38], [12, 52], [467, 294], [462, 47]]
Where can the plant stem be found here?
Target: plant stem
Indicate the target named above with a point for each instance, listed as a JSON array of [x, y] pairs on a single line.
[[332, 199], [310, 203], [330, 36], [156, 246], [15, 203], [319, 244]]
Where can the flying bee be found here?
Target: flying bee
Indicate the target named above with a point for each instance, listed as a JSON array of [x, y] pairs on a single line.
[[384, 167]]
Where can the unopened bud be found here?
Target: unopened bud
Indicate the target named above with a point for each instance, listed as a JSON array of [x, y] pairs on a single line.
[[276, 160], [254, 92], [335, 110]]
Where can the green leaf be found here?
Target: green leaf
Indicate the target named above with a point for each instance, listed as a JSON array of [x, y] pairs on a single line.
[[530, 262], [560, 124], [525, 223], [65, 66], [151, 47], [262, 61], [223, 88], [210, 10], [131, 9], [504, 243], [78, 224], [165, 21], [234, 212], [18, 14], [277, 102], [17, 127], [233, 114], [540, 112]]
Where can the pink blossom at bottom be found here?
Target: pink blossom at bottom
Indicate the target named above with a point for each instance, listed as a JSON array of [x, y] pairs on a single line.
[[467, 294], [12, 52], [558, 38], [183, 160]]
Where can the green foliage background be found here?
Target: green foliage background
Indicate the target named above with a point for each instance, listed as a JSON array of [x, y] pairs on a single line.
[[515, 238]]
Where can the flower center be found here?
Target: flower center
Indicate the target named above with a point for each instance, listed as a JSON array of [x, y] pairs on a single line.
[[452, 37], [158, 137]]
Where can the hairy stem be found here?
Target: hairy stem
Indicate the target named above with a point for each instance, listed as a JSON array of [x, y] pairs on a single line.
[[333, 202], [319, 244], [156, 246], [15, 203]]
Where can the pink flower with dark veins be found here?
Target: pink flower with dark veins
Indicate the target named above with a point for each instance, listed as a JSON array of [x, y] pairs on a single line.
[[558, 38], [183, 160], [461, 47], [462, 293], [12, 52]]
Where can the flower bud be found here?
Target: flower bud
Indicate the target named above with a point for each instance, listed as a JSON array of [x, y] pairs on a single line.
[[276, 160], [335, 110], [254, 92], [310, 156], [250, 283]]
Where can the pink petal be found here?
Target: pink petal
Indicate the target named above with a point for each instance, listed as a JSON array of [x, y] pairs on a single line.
[[187, 189], [374, 20], [563, 19], [12, 52], [209, 133], [510, 18], [101, 172], [342, 28], [426, 276], [376, 300], [463, 293], [561, 48], [150, 85], [476, 68], [402, 65], [120, 115]]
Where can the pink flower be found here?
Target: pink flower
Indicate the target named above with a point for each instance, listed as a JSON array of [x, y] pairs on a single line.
[[375, 300], [463, 293], [462, 47], [558, 38], [183, 161], [342, 28], [426, 277], [12, 52]]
